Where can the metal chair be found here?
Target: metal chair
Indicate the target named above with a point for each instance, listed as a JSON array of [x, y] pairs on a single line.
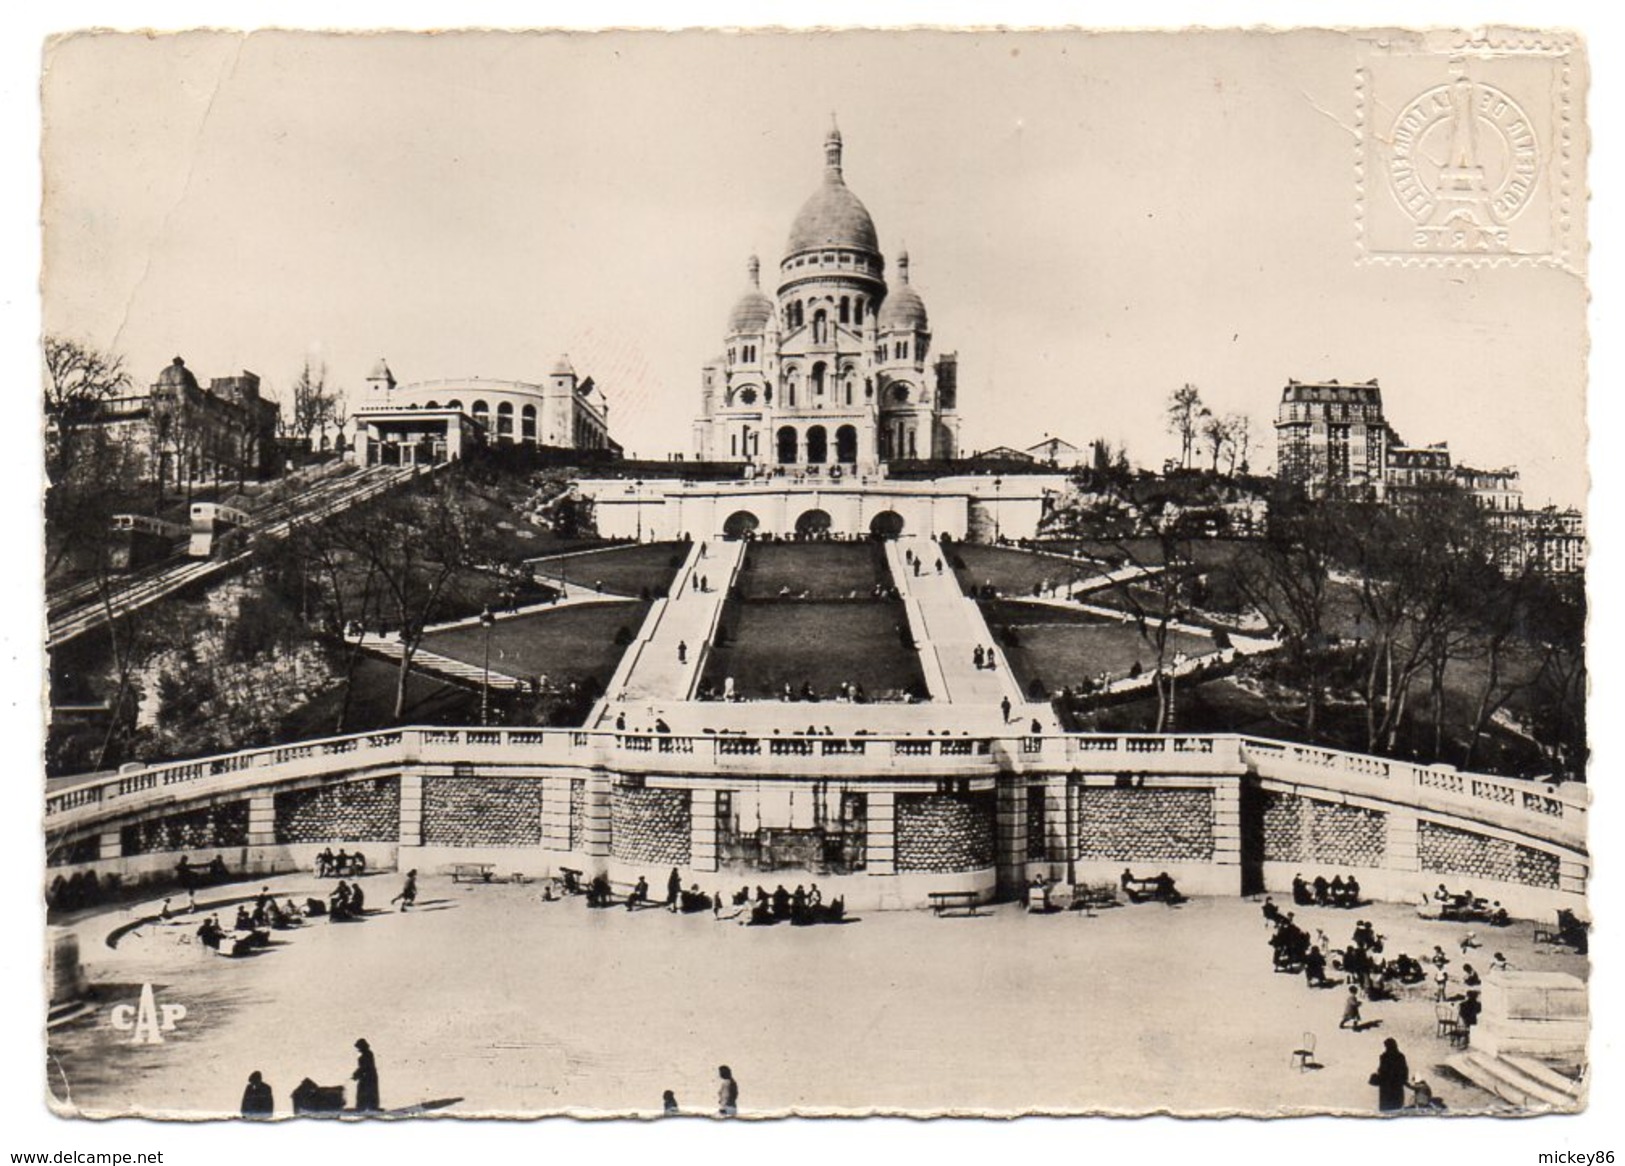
[[1304, 1054]]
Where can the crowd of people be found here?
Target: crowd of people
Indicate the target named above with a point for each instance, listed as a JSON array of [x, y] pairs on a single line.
[[1339, 892], [1465, 907], [340, 865]]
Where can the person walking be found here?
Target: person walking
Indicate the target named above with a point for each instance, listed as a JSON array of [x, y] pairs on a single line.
[[1391, 1077], [727, 1093], [258, 1104], [1004, 707], [409, 893], [366, 1079], [682, 651], [1351, 1009]]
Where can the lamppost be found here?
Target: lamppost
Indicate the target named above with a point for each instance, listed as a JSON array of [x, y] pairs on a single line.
[[639, 504], [487, 621], [1073, 780], [998, 490]]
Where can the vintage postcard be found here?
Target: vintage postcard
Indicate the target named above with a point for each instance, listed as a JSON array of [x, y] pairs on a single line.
[[742, 574]]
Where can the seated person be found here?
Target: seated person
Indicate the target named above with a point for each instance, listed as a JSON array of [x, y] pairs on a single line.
[[598, 891], [315, 908], [324, 862], [1300, 892], [244, 921], [1126, 878], [358, 899], [1499, 916], [341, 863], [1351, 890], [1443, 896], [1336, 891], [1272, 913], [1323, 891], [781, 902], [640, 893], [209, 933], [358, 863], [836, 911], [164, 912], [1407, 970], [217, 868], [572, 883], [1470, 978], [1166, 891]]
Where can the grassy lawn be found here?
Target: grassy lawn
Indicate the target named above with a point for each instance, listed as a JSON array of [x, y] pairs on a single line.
[[1014, 572], [372, 704], [573, 643], [1060, 648], [795, 642], [823, 570], [622, 570]]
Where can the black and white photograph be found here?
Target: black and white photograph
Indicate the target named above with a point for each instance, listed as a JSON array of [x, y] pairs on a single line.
[[769, 574]]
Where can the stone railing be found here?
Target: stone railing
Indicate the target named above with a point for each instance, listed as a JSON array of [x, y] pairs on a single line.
[[1555, 814]]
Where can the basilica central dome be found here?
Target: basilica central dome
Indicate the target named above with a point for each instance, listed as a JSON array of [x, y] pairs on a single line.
[[833, 216]]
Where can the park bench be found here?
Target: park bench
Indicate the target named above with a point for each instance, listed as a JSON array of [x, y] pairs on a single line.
[[621, 891], [944, 901], [472, 872], [1093, 896], [572, 881], [1141, 890]]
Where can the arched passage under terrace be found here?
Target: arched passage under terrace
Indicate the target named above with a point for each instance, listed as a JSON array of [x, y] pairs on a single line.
[[787, 445], [886, 524], [846, 444], [813, 523], [740, 524], [817, 446]]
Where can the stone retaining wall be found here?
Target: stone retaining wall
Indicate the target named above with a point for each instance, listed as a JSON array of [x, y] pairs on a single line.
[[945, 833], [1447, 850], [650, 825], [1306, 830], [218, 827], [355, 811], [481, 811], [1145, 825]]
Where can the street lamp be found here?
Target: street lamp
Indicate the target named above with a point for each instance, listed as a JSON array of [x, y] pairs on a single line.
[[487, 621], [998, 490]]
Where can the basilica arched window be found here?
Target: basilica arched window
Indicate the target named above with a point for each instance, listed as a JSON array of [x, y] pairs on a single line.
[[857, 310], [527, 424], [482, 412], [846, 309], [505, 421], [818, 381]]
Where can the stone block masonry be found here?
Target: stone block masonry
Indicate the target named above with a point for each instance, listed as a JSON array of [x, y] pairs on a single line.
[[209, 828], [1145, 825], [1307, 830], [945, 833], [473, 811], [355, 811], [650, 825], [1446, 850]]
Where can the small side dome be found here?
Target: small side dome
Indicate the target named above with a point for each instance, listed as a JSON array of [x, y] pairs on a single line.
[[753, 310], [903, 310], [176, 375], [380, 372], [562, 366]]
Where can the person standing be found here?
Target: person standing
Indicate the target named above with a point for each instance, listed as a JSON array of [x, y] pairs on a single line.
[[1391, 1077], [366, 1080], [258, 1105], [668, 1104], [727, 1093], [674, 888], [1004, 707]]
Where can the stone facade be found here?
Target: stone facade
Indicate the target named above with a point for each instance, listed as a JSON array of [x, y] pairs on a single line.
[[650, 825], [1446, 850], [85, 849], [945, 833], [356, 811], [475, 811], [210, 828], [578, 812], [1306, 830], [1145, 825]]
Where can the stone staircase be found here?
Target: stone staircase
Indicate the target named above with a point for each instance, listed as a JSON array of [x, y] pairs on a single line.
[[424, 660], [1521, 1081]]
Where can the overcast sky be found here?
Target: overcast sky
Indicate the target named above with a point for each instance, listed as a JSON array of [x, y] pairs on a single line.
[[1092, 221]]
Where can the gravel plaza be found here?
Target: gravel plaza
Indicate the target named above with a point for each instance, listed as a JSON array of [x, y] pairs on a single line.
[[488, 1000]]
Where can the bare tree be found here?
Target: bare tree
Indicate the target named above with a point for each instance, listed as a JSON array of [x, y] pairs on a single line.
[[314, 406], [1185, 414], [79, 380], [1216, 436], [1239, 441]]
